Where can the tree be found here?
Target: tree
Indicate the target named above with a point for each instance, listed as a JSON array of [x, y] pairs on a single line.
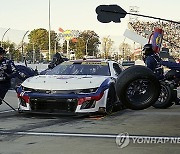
[[87, 40], [91, 42], [125, 50], [79, 48], [39, 40], [12, 52], [107, 47]]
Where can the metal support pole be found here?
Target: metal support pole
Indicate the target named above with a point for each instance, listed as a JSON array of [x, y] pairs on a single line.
[[23, 45], [49, 58], [67, 48], [55, 47], [87, 45], [33, 54], [3, 36]]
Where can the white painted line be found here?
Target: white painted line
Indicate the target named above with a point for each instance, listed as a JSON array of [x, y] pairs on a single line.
[[65, 134], [6, 111], [87, 135], [11, 90], [157, 113]]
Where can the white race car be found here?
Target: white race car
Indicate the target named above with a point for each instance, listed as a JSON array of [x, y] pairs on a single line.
[[79, 86]]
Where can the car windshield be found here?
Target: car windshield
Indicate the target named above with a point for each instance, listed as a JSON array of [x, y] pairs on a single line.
[[81, 68]]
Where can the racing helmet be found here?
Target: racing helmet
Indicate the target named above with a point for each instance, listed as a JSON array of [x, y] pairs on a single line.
[[147, 50], [2, 51]]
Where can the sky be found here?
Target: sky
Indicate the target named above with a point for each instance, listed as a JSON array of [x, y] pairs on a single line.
[[23, 15]]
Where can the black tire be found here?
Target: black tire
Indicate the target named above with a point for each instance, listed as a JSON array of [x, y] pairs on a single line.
[[137, 87], [166, 97], [111, 99]]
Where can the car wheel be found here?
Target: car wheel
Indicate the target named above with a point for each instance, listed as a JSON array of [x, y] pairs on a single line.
[[111, 99], [166, 98], [137, 87]]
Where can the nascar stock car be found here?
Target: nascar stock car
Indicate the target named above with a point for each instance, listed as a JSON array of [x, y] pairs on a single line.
[[79, 86]]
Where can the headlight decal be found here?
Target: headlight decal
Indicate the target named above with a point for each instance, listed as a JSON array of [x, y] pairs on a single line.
[[89, 99], [22, 94], [98, 95], [105, 85], [87, 91]]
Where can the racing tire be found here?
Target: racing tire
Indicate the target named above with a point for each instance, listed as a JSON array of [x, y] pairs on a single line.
[[166, 97], [137, 87], [111, 99]]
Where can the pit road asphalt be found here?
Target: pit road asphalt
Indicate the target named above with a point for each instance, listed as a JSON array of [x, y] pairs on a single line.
[[56, 134]]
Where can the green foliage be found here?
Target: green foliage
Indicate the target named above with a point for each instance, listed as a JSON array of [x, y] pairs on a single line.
[[91, 42], [107, 47], [39, 38], [80, 48], [87, 40], [39, 41], [12, 52], [125, 50]]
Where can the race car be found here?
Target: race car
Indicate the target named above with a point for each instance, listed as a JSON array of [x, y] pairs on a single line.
[[78, 86]]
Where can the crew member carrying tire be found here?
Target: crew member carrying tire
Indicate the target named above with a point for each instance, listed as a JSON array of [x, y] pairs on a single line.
[[138, 87], [152, 60], [168, 93]]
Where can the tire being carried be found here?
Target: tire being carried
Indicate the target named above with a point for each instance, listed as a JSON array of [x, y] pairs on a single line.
[[137, 87]]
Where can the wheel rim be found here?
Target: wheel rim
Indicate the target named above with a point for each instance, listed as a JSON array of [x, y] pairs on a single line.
[[139, 91], [163, 95]]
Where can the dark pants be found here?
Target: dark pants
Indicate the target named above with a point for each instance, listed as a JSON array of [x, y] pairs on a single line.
[[3, 90]]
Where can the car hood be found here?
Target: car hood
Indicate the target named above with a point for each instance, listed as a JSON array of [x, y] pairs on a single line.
[[63, 82]]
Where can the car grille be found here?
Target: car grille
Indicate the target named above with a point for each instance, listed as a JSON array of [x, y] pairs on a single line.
[[53, 105], [76, 91]]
